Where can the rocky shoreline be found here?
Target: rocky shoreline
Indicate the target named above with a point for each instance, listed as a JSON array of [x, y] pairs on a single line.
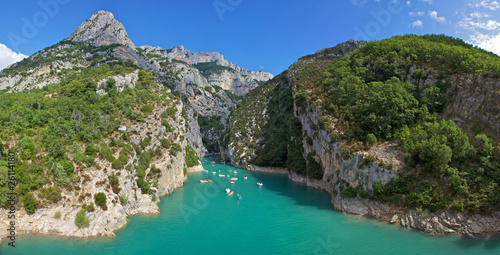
[[43, 222], [433, 223]]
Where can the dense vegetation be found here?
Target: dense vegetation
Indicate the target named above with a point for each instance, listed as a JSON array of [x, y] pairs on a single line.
[[369, 96], [210, 126], [207, 68], [58, 131], [270, 107]]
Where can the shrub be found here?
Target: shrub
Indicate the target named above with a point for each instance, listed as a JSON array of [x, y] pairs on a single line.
[[165, 143], [147, 109], [175, 149], [52, 194], [30, 203], [114, 179], [117, 164], [191, 157], [89, 160], [100, 199], [57, 215], [91, 150], [371, 139], [81, 220], [167, 126], [68, 167], [123, 199], [107, 153], [79, 157], [90, 207]]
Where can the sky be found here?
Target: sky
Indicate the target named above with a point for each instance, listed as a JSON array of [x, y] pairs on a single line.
[[260, 35]]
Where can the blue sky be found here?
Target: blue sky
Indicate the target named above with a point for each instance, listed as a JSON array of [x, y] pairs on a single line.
[[255, 34]]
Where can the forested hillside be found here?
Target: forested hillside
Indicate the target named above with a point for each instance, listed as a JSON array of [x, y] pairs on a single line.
[[392, 91]]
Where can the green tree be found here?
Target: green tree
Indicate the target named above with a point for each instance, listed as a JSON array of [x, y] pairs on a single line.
[[100, 199], [81, 219], [30, 203], [59, 174]]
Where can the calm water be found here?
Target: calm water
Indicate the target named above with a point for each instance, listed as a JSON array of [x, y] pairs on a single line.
[[280, 217]]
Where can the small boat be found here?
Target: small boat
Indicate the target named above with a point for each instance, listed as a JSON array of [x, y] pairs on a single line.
[[231, 193], [231, 182], [239, 197], [235, 172], [221, 175], [213, 172], [245, 178], [228, 175], [228, 190], [203, 181], [234, 179], [259, 183]]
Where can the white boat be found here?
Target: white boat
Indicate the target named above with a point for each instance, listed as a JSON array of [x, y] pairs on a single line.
[[203, 181], [231, 182], [259, 183], [245, 178], [213, 172], [235, 172], [228, 190], [234, 179], [221, 175]]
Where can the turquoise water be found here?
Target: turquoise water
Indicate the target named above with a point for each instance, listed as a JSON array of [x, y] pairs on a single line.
[[280, 217]]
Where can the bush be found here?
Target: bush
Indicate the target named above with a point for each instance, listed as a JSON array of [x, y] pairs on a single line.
[[191, 157], [165, 143], [123, 199], [91, 150], [117, 164], [90, 207], [79, 157], [147, 109], [57, 215], [68, 167], [371, 139], [52, 194], [81, 220], [30, 203], [176, 148], [89, 160], [107, 153], [143, 185], [167, 126], [114, 179], [100, 199]]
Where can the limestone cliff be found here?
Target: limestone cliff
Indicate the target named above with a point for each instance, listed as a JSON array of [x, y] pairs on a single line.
[[350, 176], [100, 30]]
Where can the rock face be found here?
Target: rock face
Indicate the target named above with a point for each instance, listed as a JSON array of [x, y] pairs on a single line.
[[235, 79], [102, 29], [380, 163], [95, 179]]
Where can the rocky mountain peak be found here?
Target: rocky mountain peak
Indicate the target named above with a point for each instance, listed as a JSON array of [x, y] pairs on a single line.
[[102, 29]]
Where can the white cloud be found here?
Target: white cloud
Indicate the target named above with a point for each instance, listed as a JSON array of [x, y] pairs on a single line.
[[487, 42], [434, 15], [415, 14], [8, 57], [479, 15], [471, 24], [417, 23], [488, 4], [408, 3]]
